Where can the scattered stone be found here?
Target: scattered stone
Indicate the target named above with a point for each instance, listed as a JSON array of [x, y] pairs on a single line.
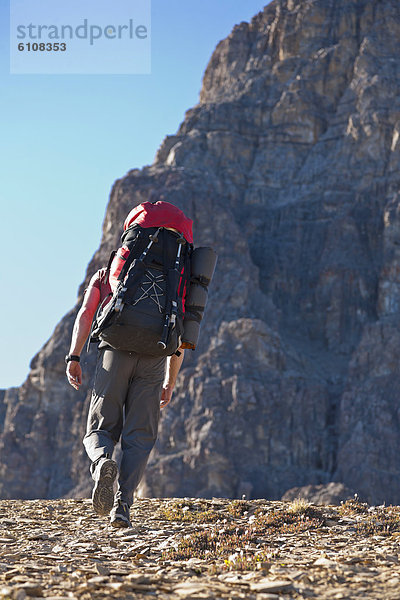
[[325, 562], [32, 589], [339, 557], [12, 573], [188, 588], [267, 585], [102, 570]]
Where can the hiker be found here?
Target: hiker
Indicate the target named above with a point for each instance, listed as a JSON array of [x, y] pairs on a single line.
[[130, 387]]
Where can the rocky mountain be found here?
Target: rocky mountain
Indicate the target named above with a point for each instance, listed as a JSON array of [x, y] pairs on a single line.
[[289, 166]]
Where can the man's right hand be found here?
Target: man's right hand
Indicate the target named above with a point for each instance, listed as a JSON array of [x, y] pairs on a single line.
[[74, 374]]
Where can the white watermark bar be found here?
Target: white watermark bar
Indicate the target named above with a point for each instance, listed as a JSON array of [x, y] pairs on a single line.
[[80, 37]]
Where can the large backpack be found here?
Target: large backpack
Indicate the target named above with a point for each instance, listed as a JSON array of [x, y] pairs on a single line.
[[149, 276]]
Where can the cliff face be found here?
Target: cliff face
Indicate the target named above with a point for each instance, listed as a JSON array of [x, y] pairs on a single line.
[[289, 167]]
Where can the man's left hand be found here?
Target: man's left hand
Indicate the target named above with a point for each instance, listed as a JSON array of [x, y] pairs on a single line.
[[74, 374], [166, 395]]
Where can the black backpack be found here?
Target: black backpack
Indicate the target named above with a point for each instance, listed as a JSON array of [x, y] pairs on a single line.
[[145, 314]]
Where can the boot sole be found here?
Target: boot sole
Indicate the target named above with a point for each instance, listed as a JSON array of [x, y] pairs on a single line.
[[118, 522], [103, 491]]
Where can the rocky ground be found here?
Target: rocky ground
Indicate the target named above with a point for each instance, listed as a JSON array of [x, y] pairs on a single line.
[[194, 548]]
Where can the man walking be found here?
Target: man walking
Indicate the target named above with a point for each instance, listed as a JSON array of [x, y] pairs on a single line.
[[129, 390]]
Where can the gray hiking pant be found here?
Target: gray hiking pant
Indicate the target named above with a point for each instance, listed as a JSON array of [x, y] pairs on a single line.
[[125, 404]]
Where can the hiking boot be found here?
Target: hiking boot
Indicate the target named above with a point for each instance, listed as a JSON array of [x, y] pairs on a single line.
[[103, 492], [120, 515]]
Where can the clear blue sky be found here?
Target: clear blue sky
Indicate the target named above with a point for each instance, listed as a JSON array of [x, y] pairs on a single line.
[[64, 140]]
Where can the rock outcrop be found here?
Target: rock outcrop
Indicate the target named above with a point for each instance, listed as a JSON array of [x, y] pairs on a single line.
[[328, 493], [289, 167]]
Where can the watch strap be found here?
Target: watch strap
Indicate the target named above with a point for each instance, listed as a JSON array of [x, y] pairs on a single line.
[[74, 357]]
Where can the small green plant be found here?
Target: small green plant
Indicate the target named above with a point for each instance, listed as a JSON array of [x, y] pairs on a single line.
[[284, 521], [243, 561], [188, 512], [237, 508], [353, 506], [380, 521], [235, 545]]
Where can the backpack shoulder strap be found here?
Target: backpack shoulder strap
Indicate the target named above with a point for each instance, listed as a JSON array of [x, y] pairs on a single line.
[[134, 247], [107, 273]]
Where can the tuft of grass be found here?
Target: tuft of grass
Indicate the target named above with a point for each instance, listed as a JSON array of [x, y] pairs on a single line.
[[299, 506]]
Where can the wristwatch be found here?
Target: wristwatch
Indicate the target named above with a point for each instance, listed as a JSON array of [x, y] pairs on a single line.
[[70, 357]]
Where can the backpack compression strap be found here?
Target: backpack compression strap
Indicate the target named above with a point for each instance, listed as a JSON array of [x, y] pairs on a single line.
[[171, 306]]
